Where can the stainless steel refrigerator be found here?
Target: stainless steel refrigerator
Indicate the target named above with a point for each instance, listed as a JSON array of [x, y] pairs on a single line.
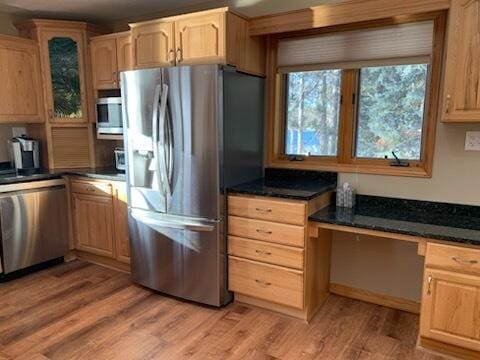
[[190, 132]]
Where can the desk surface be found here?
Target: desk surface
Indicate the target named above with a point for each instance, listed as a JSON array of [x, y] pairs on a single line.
[[453, 224]]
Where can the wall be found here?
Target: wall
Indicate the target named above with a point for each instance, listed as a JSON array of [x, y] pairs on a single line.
[[6, 24]]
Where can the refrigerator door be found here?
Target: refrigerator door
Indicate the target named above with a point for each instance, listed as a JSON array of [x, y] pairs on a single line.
[[143, 103], [177, 256], [189, 133]]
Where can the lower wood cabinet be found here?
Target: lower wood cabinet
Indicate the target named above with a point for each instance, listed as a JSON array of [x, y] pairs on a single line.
[[450, 310], [100, 221], [93, 224], [271, 260]]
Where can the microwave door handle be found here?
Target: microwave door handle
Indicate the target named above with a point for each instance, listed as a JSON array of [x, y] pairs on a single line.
[[156, 99], [163, 162]]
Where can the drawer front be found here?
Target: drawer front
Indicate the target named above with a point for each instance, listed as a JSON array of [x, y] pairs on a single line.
[[266, 231], [267, 282], [265, 209], [91, 188], [453, 258], [266, 252]]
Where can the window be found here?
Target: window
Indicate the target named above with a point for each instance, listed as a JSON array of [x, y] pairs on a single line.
[[312, 113], [391, 107], [360, 100]]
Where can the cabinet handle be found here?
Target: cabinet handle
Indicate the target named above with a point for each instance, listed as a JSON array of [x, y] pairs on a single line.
[[429, 290], [448, 101], [261, 282], [464, 261], [179, 55], [266, 210], [260, 231], [261, 252], [171, 55], [50, 113]]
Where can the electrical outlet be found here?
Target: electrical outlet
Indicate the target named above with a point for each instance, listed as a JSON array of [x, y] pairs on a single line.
[[472, 141]]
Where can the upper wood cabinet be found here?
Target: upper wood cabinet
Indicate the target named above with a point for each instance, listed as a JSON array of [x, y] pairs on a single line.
[[208, 37], [21, 90], [451, 296], [200, 39], [153, 44], [110, 55], [462, 69]]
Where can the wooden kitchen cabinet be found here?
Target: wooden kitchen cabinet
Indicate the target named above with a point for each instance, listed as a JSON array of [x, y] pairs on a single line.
[[120, 208], [93, 224], [100, 221], [450, 310], [110, 55], [21, 97], [153, 44], [200, 39], [461, 101], [208, 37]]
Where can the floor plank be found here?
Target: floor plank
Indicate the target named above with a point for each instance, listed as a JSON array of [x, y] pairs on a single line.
[[84, 311]]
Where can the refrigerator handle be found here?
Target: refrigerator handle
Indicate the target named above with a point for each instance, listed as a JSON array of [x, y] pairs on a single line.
[[152, 220], [162, 161], [156, 99]]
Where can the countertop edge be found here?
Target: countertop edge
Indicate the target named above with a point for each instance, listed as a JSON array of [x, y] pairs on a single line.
[[395, 231]]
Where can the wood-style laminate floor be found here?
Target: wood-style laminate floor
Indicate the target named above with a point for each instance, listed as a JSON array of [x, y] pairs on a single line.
[[83, 311]]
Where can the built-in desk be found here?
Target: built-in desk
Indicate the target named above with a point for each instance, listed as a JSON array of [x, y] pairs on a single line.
[[449, 238]]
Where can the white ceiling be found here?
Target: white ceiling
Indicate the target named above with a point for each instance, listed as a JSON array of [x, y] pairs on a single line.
[[110, 11]]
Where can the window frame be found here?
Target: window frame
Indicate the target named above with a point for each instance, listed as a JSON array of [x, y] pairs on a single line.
[[345, 161]]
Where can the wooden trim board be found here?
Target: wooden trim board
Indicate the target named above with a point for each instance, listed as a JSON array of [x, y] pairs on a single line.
[[440, 348], [345, 12], [374, 298]]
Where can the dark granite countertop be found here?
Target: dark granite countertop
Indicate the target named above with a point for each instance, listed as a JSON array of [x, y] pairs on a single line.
[[289, 184], [440, 221], [94, 173]]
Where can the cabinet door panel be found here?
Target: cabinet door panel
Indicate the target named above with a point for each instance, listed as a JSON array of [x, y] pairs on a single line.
[[153, 45], [462, 71], [122, 240], [93, 224], [66, 94], [104, 63], [21, 90], [451, 308], [200, 39], [124, 53]]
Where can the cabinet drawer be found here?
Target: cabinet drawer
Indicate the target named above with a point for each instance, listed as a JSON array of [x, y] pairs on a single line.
[[453, 258], [267, 282], [266, 252], [266, 231], [91, 188], [265, 209]]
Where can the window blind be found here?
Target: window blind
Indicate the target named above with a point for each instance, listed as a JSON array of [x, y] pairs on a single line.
[[413, 40]]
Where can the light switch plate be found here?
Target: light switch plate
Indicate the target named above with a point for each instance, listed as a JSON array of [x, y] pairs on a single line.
[[472, 141]]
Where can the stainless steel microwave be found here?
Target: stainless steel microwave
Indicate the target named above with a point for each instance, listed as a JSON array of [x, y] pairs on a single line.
[[109, 116]]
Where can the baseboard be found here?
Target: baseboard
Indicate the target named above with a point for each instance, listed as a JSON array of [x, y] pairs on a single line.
[[102, 261], [455, 352], [374, 298], [286, 310]]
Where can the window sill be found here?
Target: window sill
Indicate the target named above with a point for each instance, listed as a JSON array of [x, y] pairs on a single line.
[[413, 171]]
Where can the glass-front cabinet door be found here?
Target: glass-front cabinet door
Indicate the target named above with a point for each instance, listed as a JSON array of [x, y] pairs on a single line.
[[65, 76]]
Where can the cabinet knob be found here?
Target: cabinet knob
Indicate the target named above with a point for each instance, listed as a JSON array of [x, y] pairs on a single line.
[[179, 55], [429, 290], [448, 101]]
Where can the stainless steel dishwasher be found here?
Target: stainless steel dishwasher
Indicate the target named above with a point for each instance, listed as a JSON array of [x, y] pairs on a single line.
[[34, 223]]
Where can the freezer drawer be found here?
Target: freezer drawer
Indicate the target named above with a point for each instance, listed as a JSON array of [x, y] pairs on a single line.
[[178, 256], [34, 227]]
